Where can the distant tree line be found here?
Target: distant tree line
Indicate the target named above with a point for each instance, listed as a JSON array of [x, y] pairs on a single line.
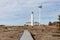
[[2, 25], [50, 24], [59, 22]]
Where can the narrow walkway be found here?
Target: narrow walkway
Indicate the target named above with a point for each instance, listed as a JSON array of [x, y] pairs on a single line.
[[26, 35]]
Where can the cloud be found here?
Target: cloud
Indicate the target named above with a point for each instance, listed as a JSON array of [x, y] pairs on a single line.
[[18, 11]]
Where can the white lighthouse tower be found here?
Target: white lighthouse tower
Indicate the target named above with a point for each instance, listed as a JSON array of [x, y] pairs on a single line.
[[32, 19]]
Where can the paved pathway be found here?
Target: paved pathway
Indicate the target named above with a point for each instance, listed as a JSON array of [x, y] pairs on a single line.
[[26, 35]]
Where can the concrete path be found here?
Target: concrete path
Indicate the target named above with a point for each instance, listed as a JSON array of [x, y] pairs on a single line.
[[26, 35]]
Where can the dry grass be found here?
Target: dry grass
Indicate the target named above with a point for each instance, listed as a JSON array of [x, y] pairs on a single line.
[[39, 33]]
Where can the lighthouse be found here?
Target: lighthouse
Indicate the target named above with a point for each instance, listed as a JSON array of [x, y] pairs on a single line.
[[32, 22], [32, 19]]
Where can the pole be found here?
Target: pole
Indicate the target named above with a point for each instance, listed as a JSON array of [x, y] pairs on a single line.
[[40, 7]]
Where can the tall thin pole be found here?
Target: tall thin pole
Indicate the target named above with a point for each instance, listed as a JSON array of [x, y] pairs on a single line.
[[40, 7]]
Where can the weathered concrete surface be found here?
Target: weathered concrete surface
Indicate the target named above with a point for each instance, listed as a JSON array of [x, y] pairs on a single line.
[[26, 35]]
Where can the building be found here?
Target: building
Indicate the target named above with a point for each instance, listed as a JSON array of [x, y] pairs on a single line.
[[29, 23], [32, 23]]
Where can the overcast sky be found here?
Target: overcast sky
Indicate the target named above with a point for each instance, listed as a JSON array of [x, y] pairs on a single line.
[[17, 12]]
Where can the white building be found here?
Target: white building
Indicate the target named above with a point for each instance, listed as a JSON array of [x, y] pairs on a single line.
[[29, 23], [32, 23]]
